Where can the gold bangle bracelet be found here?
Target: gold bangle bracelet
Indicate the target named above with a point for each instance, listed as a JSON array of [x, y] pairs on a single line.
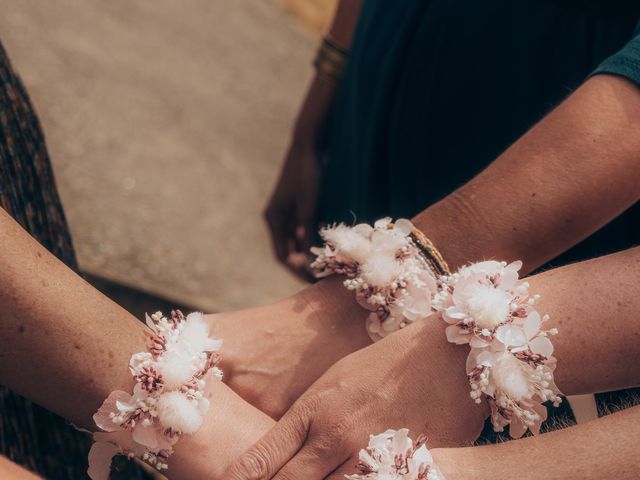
[[332, 44], [430, 253], [330, 59]]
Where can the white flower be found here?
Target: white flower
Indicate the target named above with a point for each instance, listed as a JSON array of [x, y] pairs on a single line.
[[479, 299], [488, 306], [195, 334], [348, 243], [179, 413], [169, 397], [528, 337], [512, 377], [392, 456], [517, 388], [381, 269]]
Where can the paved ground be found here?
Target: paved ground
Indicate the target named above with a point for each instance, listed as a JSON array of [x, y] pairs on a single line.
[[166, 122]]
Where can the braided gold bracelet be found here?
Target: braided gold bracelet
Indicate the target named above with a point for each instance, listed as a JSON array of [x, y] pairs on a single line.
[[430, 253]]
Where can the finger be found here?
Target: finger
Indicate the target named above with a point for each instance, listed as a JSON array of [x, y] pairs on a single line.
[[349, 467], [280, 234], [315, 461], [300, 265], [303, 237], [263, 460]]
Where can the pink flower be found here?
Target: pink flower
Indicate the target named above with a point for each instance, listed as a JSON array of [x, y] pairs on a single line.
[[526, 337], [392, 455], [478, 299]]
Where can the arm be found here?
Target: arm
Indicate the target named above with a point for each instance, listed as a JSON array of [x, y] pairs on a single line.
[[416, 379], [540, 197], [591, 451], [66, 347], [291, 211], [11, 471], [545, 193]]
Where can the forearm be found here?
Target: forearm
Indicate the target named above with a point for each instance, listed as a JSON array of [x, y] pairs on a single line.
[[66, 347], [315, 109], [345, 21], [591, 451], [593, 304], [595, 307], [546, 192], [11, 471]]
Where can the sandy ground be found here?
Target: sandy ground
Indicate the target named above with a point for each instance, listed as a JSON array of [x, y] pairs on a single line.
[[166, 122]]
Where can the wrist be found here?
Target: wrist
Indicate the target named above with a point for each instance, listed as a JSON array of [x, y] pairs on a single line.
[[459, 464], [229, 429], [330, 297]]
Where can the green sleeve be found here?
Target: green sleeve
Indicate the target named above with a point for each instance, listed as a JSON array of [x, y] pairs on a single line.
[[625, 63]]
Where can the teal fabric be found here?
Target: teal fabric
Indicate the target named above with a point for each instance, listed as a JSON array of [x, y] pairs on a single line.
[[625, 63]]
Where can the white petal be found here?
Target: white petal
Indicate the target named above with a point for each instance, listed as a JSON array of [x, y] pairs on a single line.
[[454, 313], [382, 223], [455, 335], [532, 325], [100, 457], [511, 335], [477, 342], [147, 436], [404, 226], [485, 359], [541, 346]]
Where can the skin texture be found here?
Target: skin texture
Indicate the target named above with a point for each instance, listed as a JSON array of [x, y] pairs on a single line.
[[391, 384], [66, 346], [56, 326], [591, 451], [539, 198], [272, 354], [545, 193], [53, 321], [11, 471]]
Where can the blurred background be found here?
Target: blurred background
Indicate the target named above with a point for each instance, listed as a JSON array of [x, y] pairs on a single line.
[[166, 123]]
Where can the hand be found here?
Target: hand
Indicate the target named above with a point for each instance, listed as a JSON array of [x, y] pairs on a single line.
[[412, 379], [272, 354], [291, 212]]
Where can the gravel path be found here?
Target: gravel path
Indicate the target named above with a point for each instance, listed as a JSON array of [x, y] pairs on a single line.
[[166, 122]]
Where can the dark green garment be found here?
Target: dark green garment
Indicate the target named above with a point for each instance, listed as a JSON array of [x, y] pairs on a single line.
[[625, 63], [435, 90]]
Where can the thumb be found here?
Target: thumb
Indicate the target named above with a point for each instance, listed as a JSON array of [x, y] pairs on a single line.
[[263, 460]]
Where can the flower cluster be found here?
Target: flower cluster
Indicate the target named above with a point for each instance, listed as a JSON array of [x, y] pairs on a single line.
[[510, 362], [169, 397], [393, 456], [384, 268]]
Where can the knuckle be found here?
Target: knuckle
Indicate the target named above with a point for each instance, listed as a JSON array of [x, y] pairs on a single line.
[[330, 442], [251, 466], [324, 447]]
